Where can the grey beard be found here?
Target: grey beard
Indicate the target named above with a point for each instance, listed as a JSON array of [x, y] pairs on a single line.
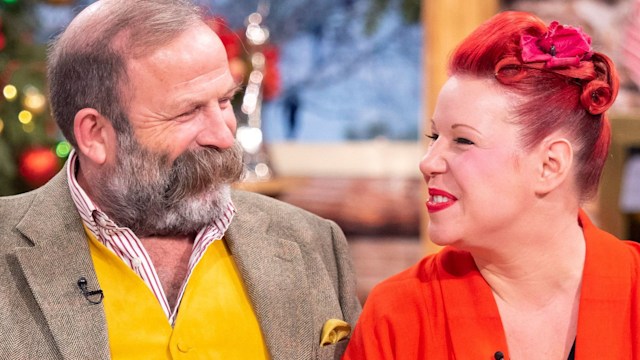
[[153, 198]]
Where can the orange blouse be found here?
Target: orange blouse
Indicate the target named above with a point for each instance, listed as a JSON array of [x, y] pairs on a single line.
[[442, 308]]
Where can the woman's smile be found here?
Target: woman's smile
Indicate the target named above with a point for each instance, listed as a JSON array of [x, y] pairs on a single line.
[[439, 200]]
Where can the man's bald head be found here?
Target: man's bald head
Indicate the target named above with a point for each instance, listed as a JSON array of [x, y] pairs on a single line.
[[87, 63]]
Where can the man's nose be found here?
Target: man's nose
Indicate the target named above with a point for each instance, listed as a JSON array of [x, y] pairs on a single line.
[[218, 129]]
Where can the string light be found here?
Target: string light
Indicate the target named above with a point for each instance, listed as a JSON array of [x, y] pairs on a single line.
[[63, 149], [1, 125], [25, 117], [29, 127], [33, 99], [10, 92]]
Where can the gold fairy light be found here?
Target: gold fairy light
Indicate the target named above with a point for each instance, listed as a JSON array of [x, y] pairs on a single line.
[[1, 125], [33, 99], [10, 92], [25, 117]]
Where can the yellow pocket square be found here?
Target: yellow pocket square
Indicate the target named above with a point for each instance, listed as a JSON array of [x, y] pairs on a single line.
[[333, 331]]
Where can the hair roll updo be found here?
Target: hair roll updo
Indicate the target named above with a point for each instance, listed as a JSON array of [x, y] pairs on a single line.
[[570, 98]]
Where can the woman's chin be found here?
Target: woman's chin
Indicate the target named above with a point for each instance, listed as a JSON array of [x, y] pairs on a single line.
[[442, 238]]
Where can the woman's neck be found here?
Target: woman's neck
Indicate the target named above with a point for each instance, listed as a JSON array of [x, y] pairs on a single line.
[[536, 266]]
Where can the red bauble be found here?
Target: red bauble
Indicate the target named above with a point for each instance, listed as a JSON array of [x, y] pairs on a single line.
[[38, 165], [271, 82], [3, 38]]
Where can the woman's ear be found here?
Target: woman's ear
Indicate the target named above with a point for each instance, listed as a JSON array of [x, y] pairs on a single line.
[[556, 159], [94, 134]]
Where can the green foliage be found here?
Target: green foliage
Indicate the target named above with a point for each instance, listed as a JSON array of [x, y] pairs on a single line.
[[410, 10]]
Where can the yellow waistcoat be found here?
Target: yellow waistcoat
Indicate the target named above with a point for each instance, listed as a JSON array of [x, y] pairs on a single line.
[[215, 319]]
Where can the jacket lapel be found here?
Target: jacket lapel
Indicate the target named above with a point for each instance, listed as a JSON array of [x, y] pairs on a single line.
[[472, 315], [274, 275], [52, 266], [607, 300]]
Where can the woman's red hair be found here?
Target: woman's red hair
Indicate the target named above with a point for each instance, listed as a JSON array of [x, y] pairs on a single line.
[[573, 99]]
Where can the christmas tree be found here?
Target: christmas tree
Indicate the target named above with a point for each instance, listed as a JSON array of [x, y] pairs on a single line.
[[31, 147]]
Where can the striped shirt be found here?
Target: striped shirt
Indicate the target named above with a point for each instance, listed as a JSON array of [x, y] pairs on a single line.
[[128, 247]]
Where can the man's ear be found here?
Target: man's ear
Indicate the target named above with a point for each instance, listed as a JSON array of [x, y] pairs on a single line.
[[94, 135], [556, 159]]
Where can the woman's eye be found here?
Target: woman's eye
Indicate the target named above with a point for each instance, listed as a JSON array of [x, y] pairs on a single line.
[[433, 137], [464, 141]]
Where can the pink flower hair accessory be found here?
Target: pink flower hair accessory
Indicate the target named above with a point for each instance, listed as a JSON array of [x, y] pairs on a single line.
[[560, 46]]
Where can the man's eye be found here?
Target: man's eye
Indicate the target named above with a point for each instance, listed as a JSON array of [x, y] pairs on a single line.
[[190, 112], [464, 141]]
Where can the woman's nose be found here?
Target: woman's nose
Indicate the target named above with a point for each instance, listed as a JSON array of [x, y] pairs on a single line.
[[433, 163]]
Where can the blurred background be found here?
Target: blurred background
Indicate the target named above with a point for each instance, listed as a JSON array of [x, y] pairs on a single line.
[[336, 95]]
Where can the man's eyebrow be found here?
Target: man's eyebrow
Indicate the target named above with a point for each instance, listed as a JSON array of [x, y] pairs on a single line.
[[234, 90], [231, 92]]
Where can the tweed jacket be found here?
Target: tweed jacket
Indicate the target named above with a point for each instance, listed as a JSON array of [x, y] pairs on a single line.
[[295, 267]]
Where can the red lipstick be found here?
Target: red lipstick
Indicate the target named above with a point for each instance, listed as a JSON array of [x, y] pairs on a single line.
[[439, 200]]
